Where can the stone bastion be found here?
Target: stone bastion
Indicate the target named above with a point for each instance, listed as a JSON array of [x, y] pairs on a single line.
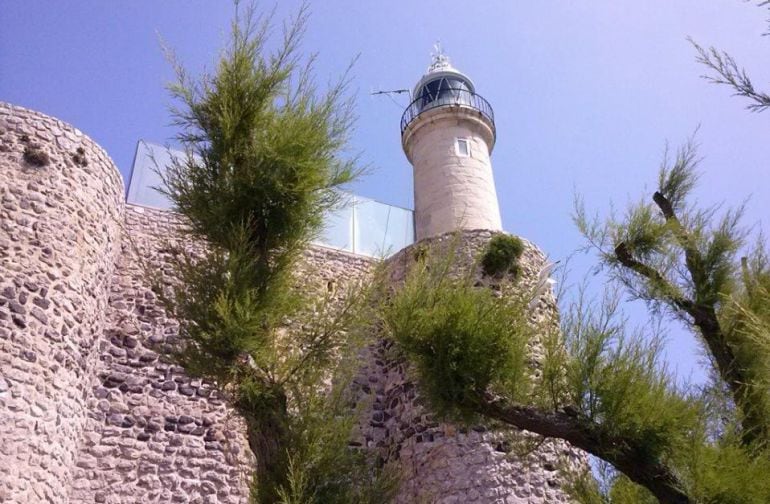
[[91, 412]]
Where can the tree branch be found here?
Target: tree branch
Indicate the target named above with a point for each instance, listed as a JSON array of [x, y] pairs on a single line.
[[692, 255], [727, 72], [624, 256], [627, 455], [703, 313]]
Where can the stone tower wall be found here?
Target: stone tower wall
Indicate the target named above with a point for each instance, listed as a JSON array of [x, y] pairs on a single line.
[[153, 434], [451, 191], [441, 462], [61, 203]]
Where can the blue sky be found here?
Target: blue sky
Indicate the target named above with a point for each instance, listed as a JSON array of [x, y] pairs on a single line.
[[585, 93]]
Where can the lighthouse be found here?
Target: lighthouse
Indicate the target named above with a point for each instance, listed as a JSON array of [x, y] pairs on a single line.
[[448, 133]]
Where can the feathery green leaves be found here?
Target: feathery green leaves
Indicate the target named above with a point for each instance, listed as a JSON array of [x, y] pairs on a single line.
[[263, 165]]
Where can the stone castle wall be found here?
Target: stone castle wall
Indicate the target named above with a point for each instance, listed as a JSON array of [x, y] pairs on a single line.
[[153, 433], [62, 204], [90, 411]]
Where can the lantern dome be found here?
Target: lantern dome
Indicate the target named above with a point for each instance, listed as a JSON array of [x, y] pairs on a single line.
[[445, 86], [442, 80]]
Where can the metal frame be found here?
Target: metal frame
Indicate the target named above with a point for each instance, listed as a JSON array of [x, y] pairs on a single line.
[[467, 142]]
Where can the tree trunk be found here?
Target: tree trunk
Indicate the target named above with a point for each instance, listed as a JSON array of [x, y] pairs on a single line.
[[267, 433]]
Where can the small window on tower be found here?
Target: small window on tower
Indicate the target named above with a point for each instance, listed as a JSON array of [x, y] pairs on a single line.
[[463, 147]]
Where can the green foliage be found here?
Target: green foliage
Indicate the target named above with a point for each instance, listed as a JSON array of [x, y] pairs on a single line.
[[467, 341], [641, 232], [724, 70], [726, 473], [675, 255], [462, 339], [262, 147], [745, 316], [262, 167], [688, 263], [676, 181], [608, 487], [502, 255], [624, 491], [233, 312], [584, 488], [323, 467], [615, 378], [600, 382]]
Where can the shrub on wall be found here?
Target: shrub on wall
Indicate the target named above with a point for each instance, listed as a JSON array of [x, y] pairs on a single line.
[[502, 255]]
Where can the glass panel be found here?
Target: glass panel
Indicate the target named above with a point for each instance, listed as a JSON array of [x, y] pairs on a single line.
[[371, 226], [400, 230], [338, 229], [460, 91], [144, 177], [429, 94], [381, 230], [363, 226], [457, 84], [444, 91]]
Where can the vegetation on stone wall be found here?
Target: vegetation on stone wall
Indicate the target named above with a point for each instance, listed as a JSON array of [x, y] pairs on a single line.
[[262, 167], [261, 170], [34, 153], [501, 255]]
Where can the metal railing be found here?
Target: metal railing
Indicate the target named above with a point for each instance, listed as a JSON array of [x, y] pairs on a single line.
[[447, 98]]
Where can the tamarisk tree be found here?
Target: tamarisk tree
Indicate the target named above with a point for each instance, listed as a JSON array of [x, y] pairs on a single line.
[[601, 385], [263, 165], [723, 69]]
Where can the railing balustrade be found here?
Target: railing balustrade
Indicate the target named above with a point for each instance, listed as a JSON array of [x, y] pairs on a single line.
[[447, 98]]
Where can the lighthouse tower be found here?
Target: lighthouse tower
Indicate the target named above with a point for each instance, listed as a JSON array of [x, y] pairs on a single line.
[[448, 132]]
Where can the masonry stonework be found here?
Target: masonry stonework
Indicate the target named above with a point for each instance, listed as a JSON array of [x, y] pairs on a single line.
[[440, 462], [451, 191], [61, 209], [91, 411], [153, 434]]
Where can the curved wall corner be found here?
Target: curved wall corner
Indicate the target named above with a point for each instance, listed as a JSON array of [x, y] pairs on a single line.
[[442, 462], [61, 208]]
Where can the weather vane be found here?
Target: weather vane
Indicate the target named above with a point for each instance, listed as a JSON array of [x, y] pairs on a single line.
[[439, 60]]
